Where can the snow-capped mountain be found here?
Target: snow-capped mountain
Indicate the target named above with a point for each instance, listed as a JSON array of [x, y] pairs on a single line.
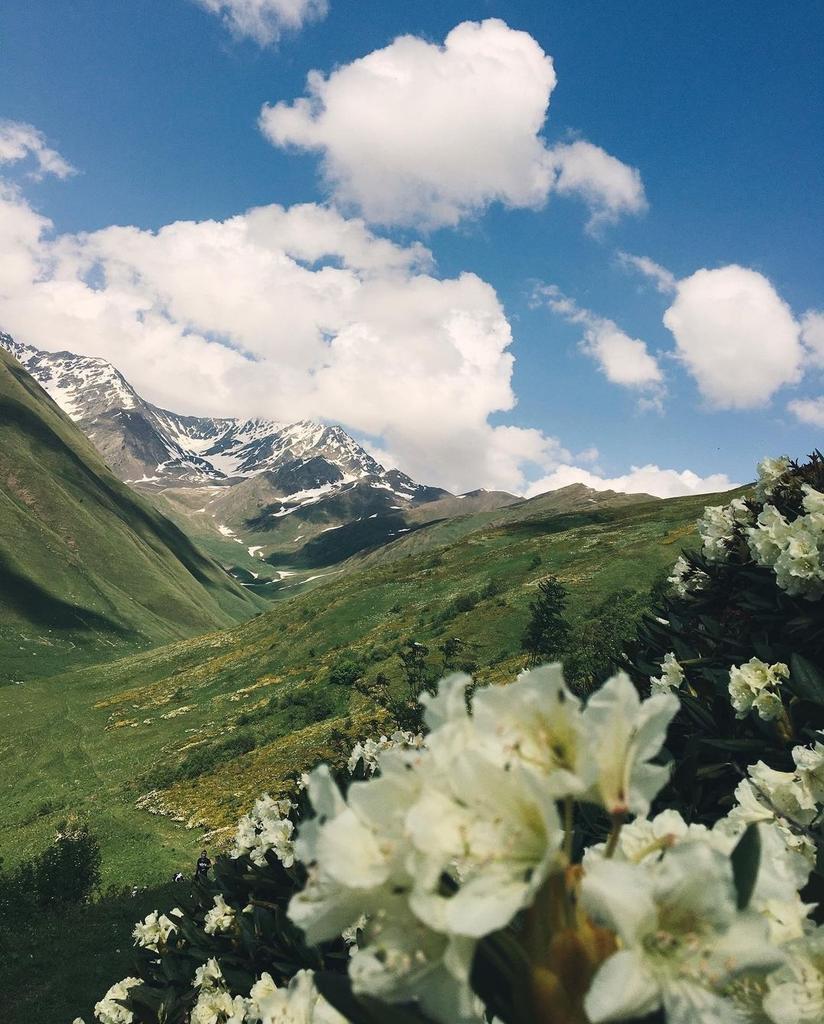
[[150, 446]]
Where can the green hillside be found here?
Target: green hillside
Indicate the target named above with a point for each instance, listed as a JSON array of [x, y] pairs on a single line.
[[158, 748], [88, 569]]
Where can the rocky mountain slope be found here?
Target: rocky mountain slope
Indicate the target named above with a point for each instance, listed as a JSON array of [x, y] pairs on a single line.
[[87, 566], [270, 500]]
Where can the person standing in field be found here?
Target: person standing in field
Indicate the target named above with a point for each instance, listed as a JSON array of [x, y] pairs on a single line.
[[203, 865]]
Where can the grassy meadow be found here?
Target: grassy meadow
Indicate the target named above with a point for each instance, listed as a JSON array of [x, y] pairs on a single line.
[[164, 747]]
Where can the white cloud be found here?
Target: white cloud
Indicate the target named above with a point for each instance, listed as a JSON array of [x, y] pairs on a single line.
[[424, 134], [809, 410], [649, 479], [19, 141], [265, 20], [286, 313], [812, 336], [623, 360], [609, 187], [664, 281], [735, 335]]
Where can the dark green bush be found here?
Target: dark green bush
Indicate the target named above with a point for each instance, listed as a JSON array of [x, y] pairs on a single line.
[[64, 873]]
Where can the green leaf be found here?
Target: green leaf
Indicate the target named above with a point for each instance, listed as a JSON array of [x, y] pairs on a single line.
[[501, 977], [746, 858], [806, 679], [740, 745]]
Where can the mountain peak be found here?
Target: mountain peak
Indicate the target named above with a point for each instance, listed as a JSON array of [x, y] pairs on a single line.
[[155, 447]]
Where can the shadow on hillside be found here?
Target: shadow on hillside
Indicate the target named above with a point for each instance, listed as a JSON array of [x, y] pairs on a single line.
[[150, 525], [55, 965], [44, 609], [341, 543]]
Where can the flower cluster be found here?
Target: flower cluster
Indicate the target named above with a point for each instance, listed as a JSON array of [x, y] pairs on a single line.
[[368, 751], [718, 528], [110, 1009], [793, 550], [671, 678], [790, 800], [685, 578], [220, 918], [297, 1003], [757, 685], [266, 828], [446, 844], [772, 474], [154, 931]]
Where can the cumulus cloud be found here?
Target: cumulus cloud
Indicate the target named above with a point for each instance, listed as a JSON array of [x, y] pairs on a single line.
[[649, 479], [623, 360], [808, 410], [812, 336], [19, 141], [286, 313], [424, 134], [609, 187], [265, 20], [735, 335]]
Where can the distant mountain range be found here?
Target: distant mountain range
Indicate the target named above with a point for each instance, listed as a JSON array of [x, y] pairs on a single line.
[[146, 445], [251, 490], [279, 505]]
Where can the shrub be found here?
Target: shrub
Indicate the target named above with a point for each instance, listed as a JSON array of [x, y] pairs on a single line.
[[65, 872], [347, 670]]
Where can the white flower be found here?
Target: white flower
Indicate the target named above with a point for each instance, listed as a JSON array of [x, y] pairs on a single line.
[[401, 960], [682, 937], [783, 793], [109, 1010], [299, 1002], [354, 850], [799, 569], [796, 991], [451, 729], [369, 750], [266, 829], [535, 722], [685, 579], [755, 685], [358, 856], [717, 527], [768, 538], [217, 1006], [672, 675], [795, 551], [813, 500], [208, 975], [624, 733], [220, 918], [646, 838], [809, 767], [769, 796], [771, 473], [496, 831], [153, 931]]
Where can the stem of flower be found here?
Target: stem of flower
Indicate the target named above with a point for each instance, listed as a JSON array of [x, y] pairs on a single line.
[[569, 827], [785, 726], [618, 820]]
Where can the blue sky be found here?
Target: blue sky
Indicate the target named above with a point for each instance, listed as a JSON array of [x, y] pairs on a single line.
[[157, 105]]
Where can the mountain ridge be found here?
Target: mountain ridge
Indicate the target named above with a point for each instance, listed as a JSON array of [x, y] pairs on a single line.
[[87, 566]]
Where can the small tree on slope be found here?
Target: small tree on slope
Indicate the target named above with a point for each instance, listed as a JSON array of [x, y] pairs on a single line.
[[546, 636]]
